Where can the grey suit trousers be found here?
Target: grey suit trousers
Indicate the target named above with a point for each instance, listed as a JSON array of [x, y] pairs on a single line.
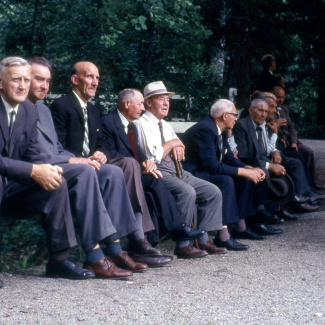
[[132, 174], [99, 202], [192, 190]]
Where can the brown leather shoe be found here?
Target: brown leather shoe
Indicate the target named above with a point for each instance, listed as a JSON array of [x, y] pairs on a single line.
[[143, 247], [105, 268], [189, 252], [307, 207], [124, 261], [212, 249]]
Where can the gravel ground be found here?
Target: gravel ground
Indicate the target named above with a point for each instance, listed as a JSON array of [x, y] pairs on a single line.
[[277, 281]]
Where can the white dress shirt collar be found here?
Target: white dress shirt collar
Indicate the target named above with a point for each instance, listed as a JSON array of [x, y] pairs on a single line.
[[124, 121]]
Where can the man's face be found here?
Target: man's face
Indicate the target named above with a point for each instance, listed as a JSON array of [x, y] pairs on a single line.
[[40, 83], [86, 82], [272, 109], [158, 105], [280, 95], [231, 118], [258, 114], [134, 107], [14, 85]]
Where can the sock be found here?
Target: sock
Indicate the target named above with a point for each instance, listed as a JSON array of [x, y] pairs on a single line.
[[224, 234], [94, 255], [112, 249], [182, 243], [203, 239], [59, 256], [138, 234], [241, 225]]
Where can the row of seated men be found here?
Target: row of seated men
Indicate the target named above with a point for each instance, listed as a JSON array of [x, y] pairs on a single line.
[[122, 175]]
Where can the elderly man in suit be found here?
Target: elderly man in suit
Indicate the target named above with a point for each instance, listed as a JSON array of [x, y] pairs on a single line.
[[27, 183], [160, 144], [122, 139], [74, 117], [287, 135], [210, 158], [97, 219]]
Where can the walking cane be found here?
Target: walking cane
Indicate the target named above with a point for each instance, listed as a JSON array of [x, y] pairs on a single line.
[[179, 175]]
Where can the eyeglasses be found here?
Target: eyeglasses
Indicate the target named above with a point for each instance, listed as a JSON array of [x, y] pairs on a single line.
[[234, 114]]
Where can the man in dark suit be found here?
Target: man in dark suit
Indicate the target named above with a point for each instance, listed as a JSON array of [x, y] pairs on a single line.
[[210, 158], [27, 184], [77, 123], [253, 143], [267, 80], [97, 219], [287, 136], [122, 139]]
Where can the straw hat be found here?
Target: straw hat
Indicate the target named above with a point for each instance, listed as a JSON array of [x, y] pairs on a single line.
[[156, 88]]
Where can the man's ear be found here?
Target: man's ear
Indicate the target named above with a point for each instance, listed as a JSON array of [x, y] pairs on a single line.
[[0, 83], [74, 79]]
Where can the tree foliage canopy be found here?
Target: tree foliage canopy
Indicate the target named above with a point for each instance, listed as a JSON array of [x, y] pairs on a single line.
[[199, 48]]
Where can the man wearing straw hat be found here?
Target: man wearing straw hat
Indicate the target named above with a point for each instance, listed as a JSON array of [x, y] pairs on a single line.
[[161, 145]]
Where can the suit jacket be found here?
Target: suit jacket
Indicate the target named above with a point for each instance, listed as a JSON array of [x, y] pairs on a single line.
[[50, 147], [68, 119], [17, 153], [288, 132], [203, 153], [117, 140], [266, 81], [249, 151]]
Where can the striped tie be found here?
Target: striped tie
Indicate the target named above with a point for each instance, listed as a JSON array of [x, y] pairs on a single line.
[[11, 122], [85, 147]]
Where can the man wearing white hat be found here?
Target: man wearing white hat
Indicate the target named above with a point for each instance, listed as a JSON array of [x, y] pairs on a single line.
[[161, 145]]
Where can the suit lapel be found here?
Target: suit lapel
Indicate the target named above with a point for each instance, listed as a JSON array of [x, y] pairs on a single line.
[[44, 125], [120, 131], [252, 133], [76, 105], [4, 124]]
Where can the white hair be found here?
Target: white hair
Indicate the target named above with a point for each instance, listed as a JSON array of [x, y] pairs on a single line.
[[220, 106], [11, 61]]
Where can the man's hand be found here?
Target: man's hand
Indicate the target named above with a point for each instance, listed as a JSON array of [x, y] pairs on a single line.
[[294, 145], [151, 168], [281, 122], [47, 176], [277, 169], [276, 157], [99, 156], [273, 127], [255, 175], [86, 161], [178, 153]]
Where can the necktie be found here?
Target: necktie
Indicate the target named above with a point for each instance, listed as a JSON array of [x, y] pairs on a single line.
[[167, 158], [85, 146], [220, 148], [11, 121], [131, 138], [260, 139]]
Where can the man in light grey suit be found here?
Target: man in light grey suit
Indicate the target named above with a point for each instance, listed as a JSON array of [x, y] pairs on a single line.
[[98, 195]]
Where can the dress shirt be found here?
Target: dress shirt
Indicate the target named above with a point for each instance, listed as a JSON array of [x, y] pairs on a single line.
[[9, 109], [232, 144], [150, 136], [124, 121], [82, 103]]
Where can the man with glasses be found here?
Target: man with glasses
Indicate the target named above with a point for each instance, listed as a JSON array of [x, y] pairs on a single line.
[[209, 157]]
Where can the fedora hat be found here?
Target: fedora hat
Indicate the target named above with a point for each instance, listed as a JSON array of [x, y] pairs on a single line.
[[282, 189], [156, 88]]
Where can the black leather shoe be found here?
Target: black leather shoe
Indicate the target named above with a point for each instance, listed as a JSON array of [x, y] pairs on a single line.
[[306, 207], [1, 283], [300, 199], [269, 218], [67, 269], [143, 247], [267, 230], [158, 261], [231, 244], [184, 232], [316, 197], [247, 234], [289, 216]]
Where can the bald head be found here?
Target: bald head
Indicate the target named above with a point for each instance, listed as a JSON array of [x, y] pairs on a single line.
[[84, 78]]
